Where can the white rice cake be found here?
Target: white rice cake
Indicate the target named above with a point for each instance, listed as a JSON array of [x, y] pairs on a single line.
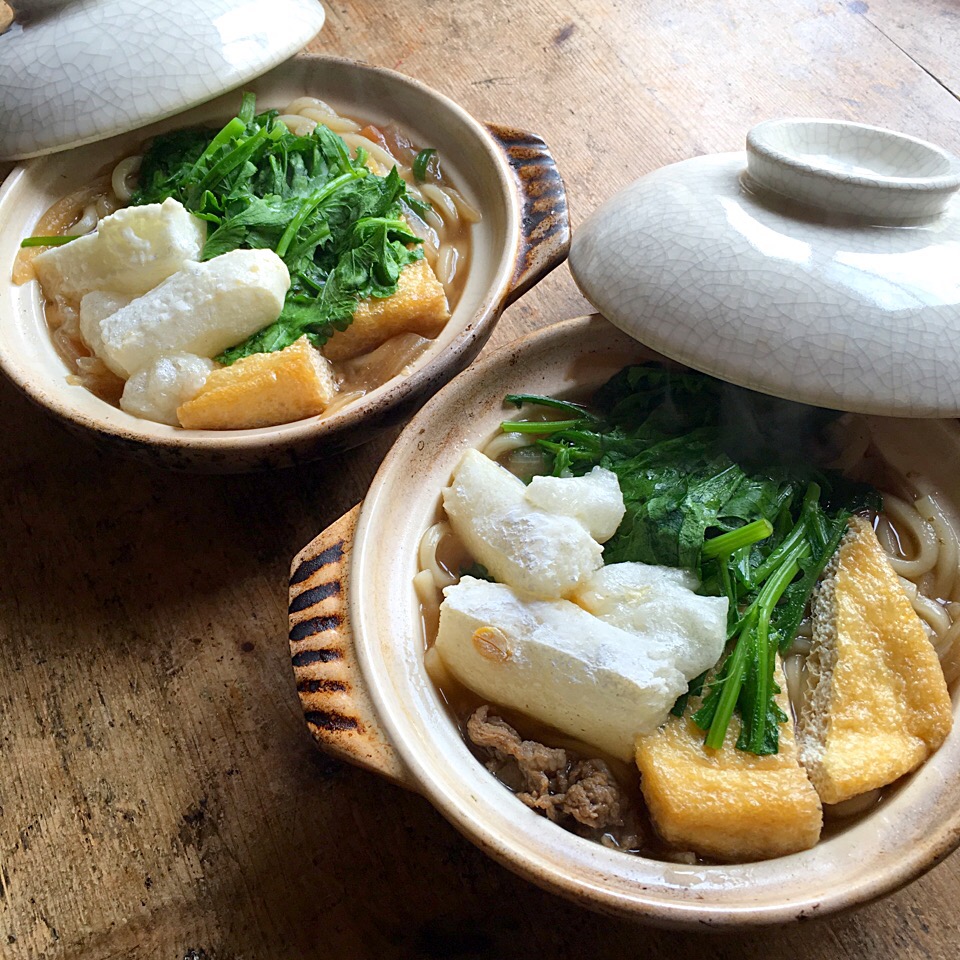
[[202, 309], [728, 804], [131, 252], [556, 663], [95, 307], [594, 499], [539, 553], [660, 605], [155, 391]]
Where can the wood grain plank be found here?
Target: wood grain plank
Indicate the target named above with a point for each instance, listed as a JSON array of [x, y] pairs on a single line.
[[924, 31]]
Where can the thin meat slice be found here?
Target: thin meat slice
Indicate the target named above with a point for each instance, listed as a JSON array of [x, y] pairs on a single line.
[[589, 794], [550, 780]]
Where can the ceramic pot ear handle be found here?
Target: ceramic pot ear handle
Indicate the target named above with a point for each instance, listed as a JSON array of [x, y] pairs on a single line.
[[544, 219], [26, 10], [339, 712]]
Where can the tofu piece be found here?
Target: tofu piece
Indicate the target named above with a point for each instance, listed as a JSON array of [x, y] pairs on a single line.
[[660, 605], [539, 553], [262, 390], [418, 306], [594, 499], [555, 663], [727, 804], [131, 252], [202, 309], [155, 391], [877, 704]]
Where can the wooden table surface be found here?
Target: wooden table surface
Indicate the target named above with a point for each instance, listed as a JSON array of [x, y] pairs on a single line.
[[159, 792]]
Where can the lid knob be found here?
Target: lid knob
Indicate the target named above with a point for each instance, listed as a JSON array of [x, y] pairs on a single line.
[[852, 168]]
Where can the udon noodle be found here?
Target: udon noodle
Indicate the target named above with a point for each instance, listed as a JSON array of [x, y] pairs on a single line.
[[444, 227], [915, 529]]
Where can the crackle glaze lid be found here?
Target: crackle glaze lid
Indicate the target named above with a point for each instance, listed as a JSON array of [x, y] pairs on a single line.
[[820, 266], [76, 71]]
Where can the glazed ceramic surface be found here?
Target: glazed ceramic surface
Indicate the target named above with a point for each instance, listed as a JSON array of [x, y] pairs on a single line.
[[357, 644], [516, 205], [72, 73], [819, 266]]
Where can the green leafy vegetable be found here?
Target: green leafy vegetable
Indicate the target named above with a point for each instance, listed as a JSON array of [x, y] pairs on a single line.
[[337, 226], [725, 489], [478, 571], [694, 689]]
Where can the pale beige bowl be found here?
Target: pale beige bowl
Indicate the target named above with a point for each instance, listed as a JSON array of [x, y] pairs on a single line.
[[509, 175], [357, 648]]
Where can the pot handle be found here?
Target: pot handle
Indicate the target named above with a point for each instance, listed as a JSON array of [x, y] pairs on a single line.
[[336, 705], [544, 219]]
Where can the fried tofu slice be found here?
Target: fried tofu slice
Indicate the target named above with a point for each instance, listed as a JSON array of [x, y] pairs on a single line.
[[263, 390], [418, 306], [727, 804], [878, 704]]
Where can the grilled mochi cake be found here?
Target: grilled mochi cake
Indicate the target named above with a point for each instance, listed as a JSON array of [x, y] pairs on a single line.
[[728, 804], [877, 703], [540, 552], [556, 663]]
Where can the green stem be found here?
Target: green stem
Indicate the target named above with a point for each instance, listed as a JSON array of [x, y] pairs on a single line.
[[732, 683], [810, 500], [48, 241], [768, 599], [231, 161], [726, 583], [248, 107], [753, 645], [537, 426], [232, 130], [744, 536], [519, 399], [421, 163], [308, 207]]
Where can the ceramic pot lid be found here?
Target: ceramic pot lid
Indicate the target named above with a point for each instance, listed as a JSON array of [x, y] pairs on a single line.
[[819, 266], [75, 71]]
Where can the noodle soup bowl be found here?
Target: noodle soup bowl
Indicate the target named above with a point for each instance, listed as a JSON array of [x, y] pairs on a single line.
[[508, 175], [357, 643]]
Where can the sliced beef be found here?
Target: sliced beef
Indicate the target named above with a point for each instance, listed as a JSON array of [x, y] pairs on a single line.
[[568, 790], [588, 793], [538, 766]]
